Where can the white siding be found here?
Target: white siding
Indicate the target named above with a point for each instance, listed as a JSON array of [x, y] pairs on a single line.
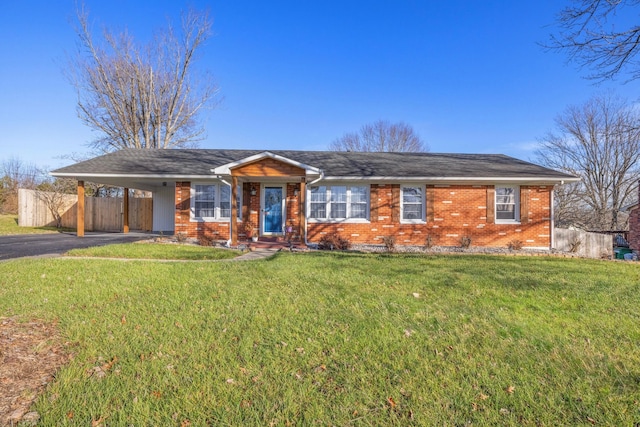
[[164, 209]]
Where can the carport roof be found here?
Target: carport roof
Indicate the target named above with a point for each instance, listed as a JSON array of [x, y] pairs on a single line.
[[199, 163]]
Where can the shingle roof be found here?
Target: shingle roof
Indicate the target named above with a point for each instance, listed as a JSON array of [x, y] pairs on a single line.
[[199, 162]]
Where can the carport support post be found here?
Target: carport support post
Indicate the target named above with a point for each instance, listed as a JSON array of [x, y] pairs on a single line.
[[80, 210], [234, 211], [125, 208]]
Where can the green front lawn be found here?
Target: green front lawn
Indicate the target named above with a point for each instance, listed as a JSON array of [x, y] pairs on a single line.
[[155, 251], [9, 225], [338, 339]]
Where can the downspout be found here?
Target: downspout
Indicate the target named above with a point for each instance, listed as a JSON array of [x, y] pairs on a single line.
[[553, 219], [306, 201]]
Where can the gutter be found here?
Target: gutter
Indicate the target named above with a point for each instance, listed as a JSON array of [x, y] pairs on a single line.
[[117, 175], [542, 179], [536, 180]]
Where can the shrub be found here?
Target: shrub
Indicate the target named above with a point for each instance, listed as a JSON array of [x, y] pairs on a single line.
[[429, 242], [181, 237], [389, 243], [465, 242], [515, 245], [606, 254], [574, 245], [250, 229], [206, 241], [333, 241]]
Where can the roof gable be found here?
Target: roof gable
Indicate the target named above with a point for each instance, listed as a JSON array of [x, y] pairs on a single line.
[[259, 165]]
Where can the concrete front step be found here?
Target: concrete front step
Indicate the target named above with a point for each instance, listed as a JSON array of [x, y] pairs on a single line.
[[271, 243]]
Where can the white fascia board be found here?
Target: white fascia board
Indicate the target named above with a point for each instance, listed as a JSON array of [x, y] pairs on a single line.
[[136, 176], [464, 179], [226, 169]]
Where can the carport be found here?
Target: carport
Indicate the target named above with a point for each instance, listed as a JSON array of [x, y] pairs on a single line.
[[134, 169]]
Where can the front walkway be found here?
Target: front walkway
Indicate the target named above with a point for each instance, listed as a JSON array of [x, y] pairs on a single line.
[[255, 254]]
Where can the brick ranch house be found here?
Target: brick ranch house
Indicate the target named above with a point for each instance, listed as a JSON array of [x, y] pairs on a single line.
[[230, 194]]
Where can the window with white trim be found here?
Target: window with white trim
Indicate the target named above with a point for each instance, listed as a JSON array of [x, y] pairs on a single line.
[[507, 202], [412, 204], [212, 202], [338, 202], [318, 201]]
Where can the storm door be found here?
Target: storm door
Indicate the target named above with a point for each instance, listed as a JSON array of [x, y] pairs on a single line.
[[273, 210]]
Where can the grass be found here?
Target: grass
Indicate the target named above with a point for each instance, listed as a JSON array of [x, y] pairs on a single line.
[[155, 251], [9, 225], [338, 339]]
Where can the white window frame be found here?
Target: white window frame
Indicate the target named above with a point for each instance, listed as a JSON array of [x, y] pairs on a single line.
[[328, 203], [217, 216], [516, 203], [283, 207], [423, 218]]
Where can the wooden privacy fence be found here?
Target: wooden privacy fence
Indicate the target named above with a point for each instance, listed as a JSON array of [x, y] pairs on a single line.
[[100, 213], [592, 245]]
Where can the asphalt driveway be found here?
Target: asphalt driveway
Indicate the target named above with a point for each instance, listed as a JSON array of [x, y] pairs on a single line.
[[29, 245]]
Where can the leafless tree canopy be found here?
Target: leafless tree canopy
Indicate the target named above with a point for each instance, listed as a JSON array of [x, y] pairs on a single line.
[[600, 142], [15, 174], [381, 136], [595, 35], [142, 96]]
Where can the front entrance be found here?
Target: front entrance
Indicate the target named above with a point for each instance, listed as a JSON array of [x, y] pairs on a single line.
[[273, 210]]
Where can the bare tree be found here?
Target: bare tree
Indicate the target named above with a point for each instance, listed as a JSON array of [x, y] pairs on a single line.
[[382, 136], [56, 197], [570, 210], [594, 35], [142, 96], [600, 142], [16, 174]]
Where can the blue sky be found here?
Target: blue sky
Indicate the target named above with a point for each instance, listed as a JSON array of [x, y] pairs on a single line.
[[467, 75]]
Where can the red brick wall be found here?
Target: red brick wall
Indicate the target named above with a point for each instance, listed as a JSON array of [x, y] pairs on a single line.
[[184, 225], [220, 230], [293, 208], [251, 209], [634, 228], [458, 211], [453, 212]]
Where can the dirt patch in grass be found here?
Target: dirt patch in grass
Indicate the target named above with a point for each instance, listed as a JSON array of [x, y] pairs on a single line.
[[30, 354]]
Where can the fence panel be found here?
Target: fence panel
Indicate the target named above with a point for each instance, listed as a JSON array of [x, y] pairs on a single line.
[[101, 213], [33, 211], [592, 245], [141, 213], [107, 214]]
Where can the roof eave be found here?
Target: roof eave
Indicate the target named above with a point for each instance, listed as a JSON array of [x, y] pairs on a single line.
[[125, 175]]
